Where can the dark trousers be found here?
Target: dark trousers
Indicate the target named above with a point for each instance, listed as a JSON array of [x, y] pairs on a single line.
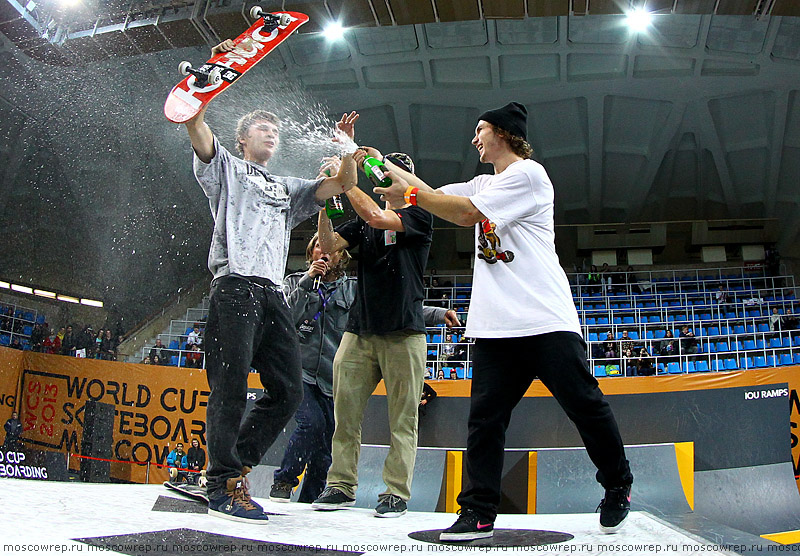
[[309, 447], [248, 326], [503, 370]]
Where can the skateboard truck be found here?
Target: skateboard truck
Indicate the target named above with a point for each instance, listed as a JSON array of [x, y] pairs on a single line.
[[203, 78], [271, 21]]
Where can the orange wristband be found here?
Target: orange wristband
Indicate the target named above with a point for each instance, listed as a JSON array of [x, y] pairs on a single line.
[[410, 196]]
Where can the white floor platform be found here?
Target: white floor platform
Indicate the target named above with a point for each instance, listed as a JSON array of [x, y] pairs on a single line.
[[41, 513]]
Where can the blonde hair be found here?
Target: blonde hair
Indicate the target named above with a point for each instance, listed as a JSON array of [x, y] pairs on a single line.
[[246, 121], [337, 270]]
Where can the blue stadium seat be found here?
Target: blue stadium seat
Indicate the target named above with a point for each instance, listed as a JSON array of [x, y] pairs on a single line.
[[674, 369], [760, 344], [746, 362], [436, 339], [713, 331], [654, 318], [738, 329], [749, 344], [759, 361], [709, 347], [617, 320], [786, 342], [593, 336], [602, 320], [173, 360], [188, 330], [173, 344], [763, 327], [724, 330], [662, 333], [775, 343], [750, 329], [5, 340], [797, 358], [722, 346], [182, 361], [27, 329], [796, 341], [628, 320], [591, 321], [460, 372], [771, 361], [648, 335], [633, 334], [731, 364], [786, 359], [690, 367], [469, 372], [599, 370]]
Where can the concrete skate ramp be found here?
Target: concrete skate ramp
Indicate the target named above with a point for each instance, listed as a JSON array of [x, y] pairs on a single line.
[[426, 487], [761, 499], [565, 480]]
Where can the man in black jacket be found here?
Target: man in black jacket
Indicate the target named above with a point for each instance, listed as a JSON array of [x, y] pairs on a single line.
[[13, 431], [195, 460]]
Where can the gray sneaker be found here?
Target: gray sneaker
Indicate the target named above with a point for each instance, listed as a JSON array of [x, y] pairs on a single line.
[[332, 498], [391, 506]]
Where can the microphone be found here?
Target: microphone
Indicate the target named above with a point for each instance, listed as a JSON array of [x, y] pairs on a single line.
[[318, 278]]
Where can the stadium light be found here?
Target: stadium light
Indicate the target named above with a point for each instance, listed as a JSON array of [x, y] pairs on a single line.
[[333, 31], [639, 20]]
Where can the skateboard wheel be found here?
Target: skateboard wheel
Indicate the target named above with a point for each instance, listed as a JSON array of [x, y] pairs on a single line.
[[256, 12], [215, 76], [284, 20], [184, 67]]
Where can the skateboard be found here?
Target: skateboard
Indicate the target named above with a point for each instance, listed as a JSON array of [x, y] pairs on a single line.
[[192, 491], [201, 85]]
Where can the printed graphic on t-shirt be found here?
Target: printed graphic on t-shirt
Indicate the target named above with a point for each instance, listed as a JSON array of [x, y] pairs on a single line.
[[489, 244]]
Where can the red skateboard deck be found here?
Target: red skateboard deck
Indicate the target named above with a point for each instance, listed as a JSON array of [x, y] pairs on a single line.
[[189, 96]]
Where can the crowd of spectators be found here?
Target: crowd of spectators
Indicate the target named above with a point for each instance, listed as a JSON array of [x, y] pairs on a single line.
[[191, 357], [66, 341]]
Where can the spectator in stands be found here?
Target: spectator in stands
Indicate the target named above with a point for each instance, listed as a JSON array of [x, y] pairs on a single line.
[[667, 346], [772, 262], [156, 360], [13, 429], [385, 339], [146, 360], [618, 279], [448, 349], [68, 342], [453, 374], [98, 342], [593, 280], [108, 347], [461, 353], [161, 350], [84, 342], [775, 321], [428, 395], [629, 362], [177, 464], [625, 342], [721, 296], [440, 374], [605, 279], [15, 343], [687, 341], [632, 280], [610, 346], [38, 334], [47, 344], [645, 366], [790, 321], [195, 461], [523, 317], [195, 337], [194, 359]]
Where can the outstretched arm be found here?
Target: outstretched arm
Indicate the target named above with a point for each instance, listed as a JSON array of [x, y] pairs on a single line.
[[199, 133], [453, 208]]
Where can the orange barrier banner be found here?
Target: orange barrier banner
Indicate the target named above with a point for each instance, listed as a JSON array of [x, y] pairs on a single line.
[[11, 363]]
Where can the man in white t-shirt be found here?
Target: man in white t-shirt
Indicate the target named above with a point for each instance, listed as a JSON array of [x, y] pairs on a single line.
[[522, 317]]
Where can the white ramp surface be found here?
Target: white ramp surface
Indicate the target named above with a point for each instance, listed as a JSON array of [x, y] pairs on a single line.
[[48, 517]]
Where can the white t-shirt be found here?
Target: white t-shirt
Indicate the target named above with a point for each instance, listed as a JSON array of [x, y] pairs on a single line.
[[528, 294]]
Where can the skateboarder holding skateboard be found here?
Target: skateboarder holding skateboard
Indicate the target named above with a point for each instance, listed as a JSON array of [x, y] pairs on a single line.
[[522, 317], [249, 324]]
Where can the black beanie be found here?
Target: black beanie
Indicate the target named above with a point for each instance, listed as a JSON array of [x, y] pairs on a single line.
[[513, 117]]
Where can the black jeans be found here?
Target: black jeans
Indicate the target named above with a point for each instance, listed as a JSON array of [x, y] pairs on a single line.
[[503, 370], [309, 447], [248, 326]]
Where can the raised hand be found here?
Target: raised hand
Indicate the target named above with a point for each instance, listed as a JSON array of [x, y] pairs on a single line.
[[346, 124]]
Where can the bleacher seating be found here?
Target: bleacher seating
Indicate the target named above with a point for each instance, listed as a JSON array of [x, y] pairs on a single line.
[[735, 335]]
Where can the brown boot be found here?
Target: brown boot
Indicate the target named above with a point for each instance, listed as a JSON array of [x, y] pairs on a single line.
[[246, 485], [236, 505]]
